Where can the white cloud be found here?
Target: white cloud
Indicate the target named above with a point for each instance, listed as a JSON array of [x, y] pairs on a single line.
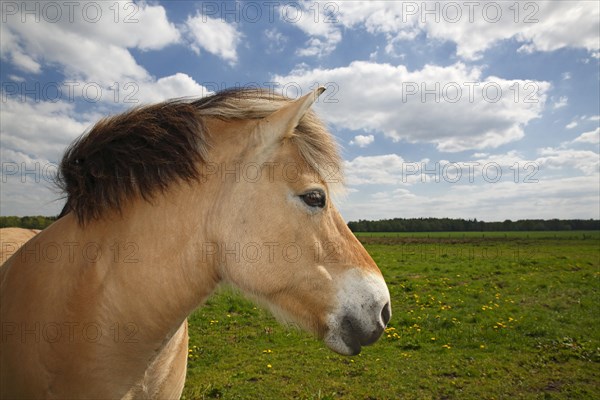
[[125, 24], [33, 137], [16, 78], [25, 63], [561, 24], [13, 52], [96, 53], [466, 111], [561, 102], [564, 197], [374, 170], [539, 26], [169, 87], [213, 35], [592, 137], [513, 164], [276, 41], [362, 140], [571, 125], [42, 129], [317, 47], [28, 185], [586, 161], [91, 46], [544, 187], [390, 49], [316, 22], [505, 160]]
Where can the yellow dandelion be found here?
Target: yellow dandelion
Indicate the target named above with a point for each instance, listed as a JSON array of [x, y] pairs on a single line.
[[269, 366]]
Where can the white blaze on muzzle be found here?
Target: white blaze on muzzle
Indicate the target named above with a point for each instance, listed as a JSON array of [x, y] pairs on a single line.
[[362, 312]]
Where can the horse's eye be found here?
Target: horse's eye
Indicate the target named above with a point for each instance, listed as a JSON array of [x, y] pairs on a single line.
[[314, 198]]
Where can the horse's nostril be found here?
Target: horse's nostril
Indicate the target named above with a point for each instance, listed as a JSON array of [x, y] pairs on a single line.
[[386, 313]]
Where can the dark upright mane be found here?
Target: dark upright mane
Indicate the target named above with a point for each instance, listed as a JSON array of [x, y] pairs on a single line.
[[137, 153], [141, 152]]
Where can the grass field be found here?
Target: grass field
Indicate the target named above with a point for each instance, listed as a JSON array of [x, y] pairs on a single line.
[[498, 316], [486, 235]]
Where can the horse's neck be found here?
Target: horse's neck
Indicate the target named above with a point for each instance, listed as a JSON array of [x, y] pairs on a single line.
[[112, 293], [151, 275]]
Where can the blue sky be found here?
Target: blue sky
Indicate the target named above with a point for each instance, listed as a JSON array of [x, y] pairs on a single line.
[[486, 109]]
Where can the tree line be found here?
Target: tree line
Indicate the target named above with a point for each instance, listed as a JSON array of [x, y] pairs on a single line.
[[471, 225], [397, 224], [29, 222]]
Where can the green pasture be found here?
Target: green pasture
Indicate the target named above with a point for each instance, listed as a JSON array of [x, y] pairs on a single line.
[[500, 316], [486, 235]]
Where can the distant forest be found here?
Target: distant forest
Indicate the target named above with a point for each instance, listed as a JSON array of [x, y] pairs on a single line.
[[398, 224], [36, 222], [462, 225]]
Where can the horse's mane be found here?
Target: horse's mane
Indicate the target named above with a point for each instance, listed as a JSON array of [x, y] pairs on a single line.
[[141, 152]]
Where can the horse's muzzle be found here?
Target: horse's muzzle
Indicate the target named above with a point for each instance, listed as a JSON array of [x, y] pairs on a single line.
[[355, 335], [362, 315]]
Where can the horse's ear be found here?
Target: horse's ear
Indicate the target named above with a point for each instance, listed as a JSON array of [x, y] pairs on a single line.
[[282, 122]]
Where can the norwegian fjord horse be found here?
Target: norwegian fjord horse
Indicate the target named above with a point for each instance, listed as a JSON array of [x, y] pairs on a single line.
[[164, 202]]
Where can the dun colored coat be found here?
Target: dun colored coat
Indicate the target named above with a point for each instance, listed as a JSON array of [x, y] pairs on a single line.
[[165, 202]]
